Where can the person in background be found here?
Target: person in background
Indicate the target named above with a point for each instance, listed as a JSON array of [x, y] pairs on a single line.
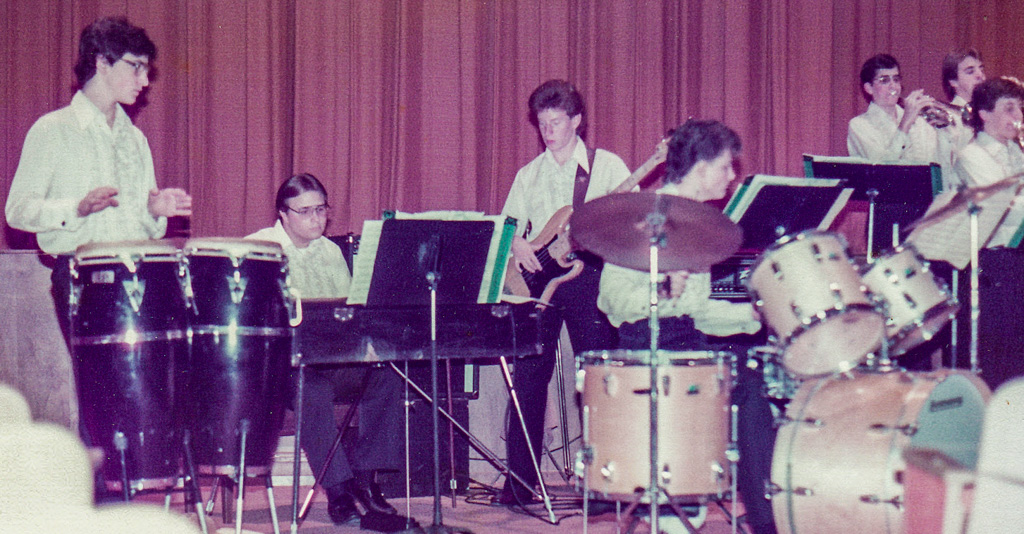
[[317, 269]]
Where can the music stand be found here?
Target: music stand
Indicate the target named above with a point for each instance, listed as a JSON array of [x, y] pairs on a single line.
[[900, 192], [769, 207]]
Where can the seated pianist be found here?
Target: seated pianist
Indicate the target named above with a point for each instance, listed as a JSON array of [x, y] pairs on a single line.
[[317, 269]]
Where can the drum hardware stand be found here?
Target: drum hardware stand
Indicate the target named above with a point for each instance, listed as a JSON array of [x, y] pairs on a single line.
[[121, 443], [872, 195], [238, 478], [656, 223], [196, 493], [973, 211]]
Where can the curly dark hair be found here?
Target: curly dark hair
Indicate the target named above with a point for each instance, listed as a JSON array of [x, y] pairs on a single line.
[[112, 38], [697, 140]]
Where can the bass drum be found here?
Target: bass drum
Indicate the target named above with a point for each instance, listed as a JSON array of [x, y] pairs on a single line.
[[838, 463], [693, 422]]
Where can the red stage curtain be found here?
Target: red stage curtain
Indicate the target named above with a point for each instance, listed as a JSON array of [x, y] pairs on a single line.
[[419, 105]]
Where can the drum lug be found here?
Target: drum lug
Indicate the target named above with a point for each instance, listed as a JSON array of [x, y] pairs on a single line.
[[581, 375], [135, 290], [771, 489], [73, 298], [896, 501], [906, 430], [236, 286]]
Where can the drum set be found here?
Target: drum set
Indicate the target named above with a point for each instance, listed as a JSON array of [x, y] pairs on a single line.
[[850, 412], [182, 355]]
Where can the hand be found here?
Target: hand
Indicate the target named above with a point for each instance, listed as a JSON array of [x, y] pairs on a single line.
[[170, 202], [98, 199], [912, 106], [676, 282], [524, 255]]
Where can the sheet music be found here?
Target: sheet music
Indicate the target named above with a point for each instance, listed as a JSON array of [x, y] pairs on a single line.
[[497, 252], [362, 263], [949, 238], [747, 192]]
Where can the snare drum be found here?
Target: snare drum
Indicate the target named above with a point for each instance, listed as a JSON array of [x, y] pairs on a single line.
[[838, 462], [693, 422], [809, 292], [128, 339], [916, 303], [239, 306]]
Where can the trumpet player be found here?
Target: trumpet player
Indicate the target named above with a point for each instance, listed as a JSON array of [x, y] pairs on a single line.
[[962, 71], [888, 131]]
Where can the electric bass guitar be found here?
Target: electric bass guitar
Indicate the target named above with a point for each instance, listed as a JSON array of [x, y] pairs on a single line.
[[554, 248]]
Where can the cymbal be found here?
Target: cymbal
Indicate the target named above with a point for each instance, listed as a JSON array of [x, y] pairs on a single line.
[[619, 228], [963, 199]]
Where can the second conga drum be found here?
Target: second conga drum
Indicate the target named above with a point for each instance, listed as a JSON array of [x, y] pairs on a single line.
[[128, 341], [693, 422], [810, 293], [240, 346]]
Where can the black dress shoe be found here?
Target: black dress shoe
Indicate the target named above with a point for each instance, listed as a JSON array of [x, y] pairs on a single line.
[[374, 498], [342, 510]]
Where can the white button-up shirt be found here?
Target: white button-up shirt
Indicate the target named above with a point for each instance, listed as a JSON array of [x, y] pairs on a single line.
[[68, 153], [986, 161]]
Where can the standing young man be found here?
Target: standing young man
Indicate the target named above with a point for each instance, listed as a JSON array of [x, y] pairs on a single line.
[[86, 173], [542, 187]]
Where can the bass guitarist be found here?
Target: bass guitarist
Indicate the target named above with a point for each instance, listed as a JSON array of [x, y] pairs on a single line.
[[565, 174]]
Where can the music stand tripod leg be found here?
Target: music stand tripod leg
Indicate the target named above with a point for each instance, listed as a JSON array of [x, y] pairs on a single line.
[[346, 421], [526, 435], [475, 442]]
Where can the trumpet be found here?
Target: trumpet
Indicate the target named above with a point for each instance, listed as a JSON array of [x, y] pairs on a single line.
[[941, 114]]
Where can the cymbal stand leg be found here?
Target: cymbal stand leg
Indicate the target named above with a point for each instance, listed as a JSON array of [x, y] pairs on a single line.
[[733, 455], [973, 211], [563, 417], [872, 194], [529, 444]]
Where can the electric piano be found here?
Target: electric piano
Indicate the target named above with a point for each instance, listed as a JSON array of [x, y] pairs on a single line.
[[333, 331]]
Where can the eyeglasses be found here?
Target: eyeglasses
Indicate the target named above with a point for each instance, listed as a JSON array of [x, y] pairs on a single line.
[[140, 67], [309, 211], [884, 80]]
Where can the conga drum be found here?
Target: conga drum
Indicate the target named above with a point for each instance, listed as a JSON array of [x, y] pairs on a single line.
[[239, 304], [129, 348]]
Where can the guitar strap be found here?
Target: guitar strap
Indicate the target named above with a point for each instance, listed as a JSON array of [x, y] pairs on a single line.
[[579, 192]]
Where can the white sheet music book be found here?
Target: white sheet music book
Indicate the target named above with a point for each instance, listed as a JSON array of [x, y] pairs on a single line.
[[949, 238], [497, 253]]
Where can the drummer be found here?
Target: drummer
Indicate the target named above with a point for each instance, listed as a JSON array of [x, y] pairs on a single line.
[[317, 269], [699, 167], [993, 155], [86, 173]]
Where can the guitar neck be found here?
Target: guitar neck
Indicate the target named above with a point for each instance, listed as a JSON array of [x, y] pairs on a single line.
[[640, 173]]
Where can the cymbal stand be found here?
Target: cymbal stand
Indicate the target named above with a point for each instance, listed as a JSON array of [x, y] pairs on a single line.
[[872, 195], [656, 223], [973, 211]]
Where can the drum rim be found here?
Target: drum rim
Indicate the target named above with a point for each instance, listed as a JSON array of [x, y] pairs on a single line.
[[598, 357], [92, 252], [229, 246], [786, 240]]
